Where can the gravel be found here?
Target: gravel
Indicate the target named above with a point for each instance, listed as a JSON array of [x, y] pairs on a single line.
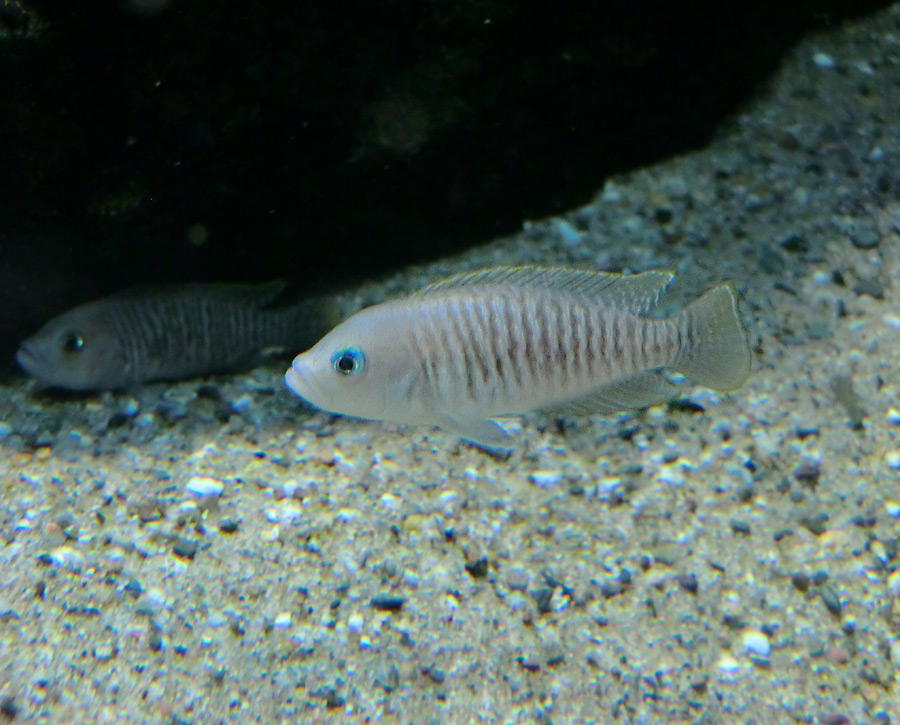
[[212, 551]]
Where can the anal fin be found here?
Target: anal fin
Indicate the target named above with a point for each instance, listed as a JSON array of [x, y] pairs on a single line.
[[638, 391]]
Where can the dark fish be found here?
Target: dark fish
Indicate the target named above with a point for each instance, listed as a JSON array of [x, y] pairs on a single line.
[[169, 333]]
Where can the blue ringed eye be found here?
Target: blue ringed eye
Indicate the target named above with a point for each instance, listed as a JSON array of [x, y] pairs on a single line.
[[348, 361]]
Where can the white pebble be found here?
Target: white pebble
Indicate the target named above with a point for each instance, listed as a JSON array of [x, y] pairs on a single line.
[[893, 416], [545, 479], [216, 619], [447, 498], [270, 535], [892, 458], [154, 598], [203, 486], [355, 622], [283, 620], [892, 508], [823, 60], [608, 484], [65, 557], [895, 652], [728, 666], [757, 643], [879, 552], [390, 502], [290, 510], [894, 583], [569, 235]]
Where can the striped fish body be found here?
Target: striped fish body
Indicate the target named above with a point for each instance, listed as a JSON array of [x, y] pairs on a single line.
[[510, 340], [168, 332]]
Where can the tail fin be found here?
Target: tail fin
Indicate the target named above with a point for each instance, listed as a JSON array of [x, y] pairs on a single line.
[[714, 351]]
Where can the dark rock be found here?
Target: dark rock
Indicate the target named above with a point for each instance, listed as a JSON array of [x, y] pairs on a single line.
[[185, 548], [794, 242], [478, 569], [739, 527], [689, 583], [831, 599], [8, 708], [228, 525], [542, 599], [387, 602], [869, 286]]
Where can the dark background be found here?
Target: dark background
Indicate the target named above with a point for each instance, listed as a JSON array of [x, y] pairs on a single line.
[[318, 141]]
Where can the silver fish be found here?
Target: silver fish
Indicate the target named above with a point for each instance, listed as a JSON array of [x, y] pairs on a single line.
[[168, 332], [509, 340]]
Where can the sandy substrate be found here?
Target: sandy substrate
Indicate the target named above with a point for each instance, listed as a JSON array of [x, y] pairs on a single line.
[[209, 552]]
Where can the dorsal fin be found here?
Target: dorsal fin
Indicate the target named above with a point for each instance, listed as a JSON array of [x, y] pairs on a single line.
[[636, 292], [252, 295]]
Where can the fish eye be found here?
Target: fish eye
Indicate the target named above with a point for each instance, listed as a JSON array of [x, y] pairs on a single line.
[[72, 342], [348, 361]]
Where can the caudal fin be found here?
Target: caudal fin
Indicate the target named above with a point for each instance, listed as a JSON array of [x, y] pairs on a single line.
[[715, 351]]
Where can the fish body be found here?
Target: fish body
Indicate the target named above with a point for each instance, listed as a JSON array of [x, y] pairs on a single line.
[[509, 340], [167, 333]]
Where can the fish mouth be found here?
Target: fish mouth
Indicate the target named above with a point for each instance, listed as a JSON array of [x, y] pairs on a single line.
[[28, 358], [301, 383]]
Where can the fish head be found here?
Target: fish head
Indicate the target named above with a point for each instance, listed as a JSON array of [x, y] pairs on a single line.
[[357, 369], [77, 350]]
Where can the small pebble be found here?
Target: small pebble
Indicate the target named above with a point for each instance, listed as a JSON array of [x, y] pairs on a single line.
[[728, 666], [757, 643], [892, 508], [893, 582], [283, 620], [228, 526], [823, 60], [892, 459], [391, 503], [203, 487], [831, 599], [355, 622], [8, 708], [517, 579], [387, 603], [739, 527], [104, 651], [545, 479], [185, 548], [689, 582]]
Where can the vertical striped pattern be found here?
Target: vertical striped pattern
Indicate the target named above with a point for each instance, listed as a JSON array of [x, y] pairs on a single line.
[[503, 349], [181, 335]]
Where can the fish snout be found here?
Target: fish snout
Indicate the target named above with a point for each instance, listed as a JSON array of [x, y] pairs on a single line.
[[28, 357], [300, 381]]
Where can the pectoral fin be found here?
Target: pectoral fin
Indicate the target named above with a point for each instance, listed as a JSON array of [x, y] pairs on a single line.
[[483, 433]]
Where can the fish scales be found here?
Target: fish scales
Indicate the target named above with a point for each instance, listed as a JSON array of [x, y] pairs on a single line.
[[546, 328], [505, 341]]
